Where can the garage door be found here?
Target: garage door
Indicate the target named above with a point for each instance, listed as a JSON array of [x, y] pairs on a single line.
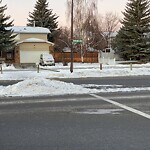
[[30, 56]]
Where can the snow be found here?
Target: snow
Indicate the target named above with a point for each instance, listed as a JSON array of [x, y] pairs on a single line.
[[35, 40], [27, 29], [101, 111], [45, 83], [41, 86]]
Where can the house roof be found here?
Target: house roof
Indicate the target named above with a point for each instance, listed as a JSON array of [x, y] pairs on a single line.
[[112, 34], [34, 40], [27, 29]]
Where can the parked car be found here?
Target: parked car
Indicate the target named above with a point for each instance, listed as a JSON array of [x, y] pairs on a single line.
[[47, 60]]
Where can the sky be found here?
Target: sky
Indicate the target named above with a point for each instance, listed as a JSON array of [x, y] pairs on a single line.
[[19, 9], [45, 82]]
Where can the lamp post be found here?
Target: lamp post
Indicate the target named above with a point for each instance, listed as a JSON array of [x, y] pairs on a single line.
[[71, 64]]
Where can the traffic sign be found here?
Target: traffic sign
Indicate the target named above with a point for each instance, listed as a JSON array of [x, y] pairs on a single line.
[[77, 41]]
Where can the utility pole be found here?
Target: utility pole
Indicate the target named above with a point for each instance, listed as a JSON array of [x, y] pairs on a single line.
[[71, 64]]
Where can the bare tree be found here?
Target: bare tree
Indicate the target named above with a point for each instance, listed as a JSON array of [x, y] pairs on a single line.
[[62, 39], [110, 24], [84, 14], [92, 29]]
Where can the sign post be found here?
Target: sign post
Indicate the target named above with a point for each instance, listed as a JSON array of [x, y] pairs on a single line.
[[71, 64]]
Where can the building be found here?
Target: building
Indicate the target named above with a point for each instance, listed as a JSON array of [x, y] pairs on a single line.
[[30, 43], [107, 55]]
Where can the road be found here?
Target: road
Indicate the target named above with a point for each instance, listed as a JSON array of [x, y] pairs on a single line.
[[103, 121], [130, 81]]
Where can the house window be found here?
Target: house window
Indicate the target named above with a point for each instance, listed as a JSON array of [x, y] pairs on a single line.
[[107, 50]]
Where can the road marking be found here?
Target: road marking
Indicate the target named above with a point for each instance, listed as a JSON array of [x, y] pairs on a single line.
[[131, 97], [122, 106], [43, 101], [66, 100]]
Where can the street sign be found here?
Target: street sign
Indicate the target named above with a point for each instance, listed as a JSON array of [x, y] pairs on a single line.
[[77, 41]]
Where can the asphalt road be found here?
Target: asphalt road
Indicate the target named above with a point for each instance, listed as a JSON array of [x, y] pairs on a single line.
[[103, 121], [130, 81]]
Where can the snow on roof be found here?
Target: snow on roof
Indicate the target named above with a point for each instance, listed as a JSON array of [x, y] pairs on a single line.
[[27, 29], [112, 34], [35, 40]]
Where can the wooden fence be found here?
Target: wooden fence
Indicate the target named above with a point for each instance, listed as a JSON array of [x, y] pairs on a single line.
[[89, 57]]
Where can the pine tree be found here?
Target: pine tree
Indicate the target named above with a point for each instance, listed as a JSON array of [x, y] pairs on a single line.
[[43, 17], [132, 40], [7, 42]]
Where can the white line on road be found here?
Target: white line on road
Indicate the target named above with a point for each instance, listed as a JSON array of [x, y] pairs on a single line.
[[42, 101], [13, 102], [122, 106], [131, 97]]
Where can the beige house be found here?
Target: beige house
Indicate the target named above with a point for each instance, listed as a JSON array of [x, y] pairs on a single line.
[[31, 42]]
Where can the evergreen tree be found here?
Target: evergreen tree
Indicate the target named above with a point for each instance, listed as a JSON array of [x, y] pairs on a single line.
[[7, 42], [43, 17], [132, 40]]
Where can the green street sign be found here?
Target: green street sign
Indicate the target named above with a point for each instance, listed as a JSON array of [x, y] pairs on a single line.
[[77, 41]]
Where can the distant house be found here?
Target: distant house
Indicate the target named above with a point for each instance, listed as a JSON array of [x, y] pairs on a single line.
[[30, 43], [107, 55], [109, 36]]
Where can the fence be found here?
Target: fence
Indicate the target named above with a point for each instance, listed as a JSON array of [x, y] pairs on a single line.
[[89, 57]]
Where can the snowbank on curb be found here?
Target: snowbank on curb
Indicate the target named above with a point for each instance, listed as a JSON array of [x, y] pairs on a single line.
[[41, 86], [8, 67]]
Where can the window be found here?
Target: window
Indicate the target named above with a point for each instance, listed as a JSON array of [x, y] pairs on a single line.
[[107, 50]]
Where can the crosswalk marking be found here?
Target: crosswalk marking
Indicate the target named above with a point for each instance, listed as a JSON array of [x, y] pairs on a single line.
[[122, 106]]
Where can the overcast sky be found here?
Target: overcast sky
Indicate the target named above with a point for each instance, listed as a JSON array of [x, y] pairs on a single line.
[[19, 9]]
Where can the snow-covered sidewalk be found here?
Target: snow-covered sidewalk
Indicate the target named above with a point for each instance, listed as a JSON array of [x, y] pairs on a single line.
[[43, 83], [81, 70]]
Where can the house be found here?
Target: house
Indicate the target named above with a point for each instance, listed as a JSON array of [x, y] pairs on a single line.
[[30, 43], [107, 55]]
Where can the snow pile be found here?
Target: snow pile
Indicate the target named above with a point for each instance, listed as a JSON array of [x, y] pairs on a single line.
[[41, 86], [8, 67], [115, 88], [42, 83]]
